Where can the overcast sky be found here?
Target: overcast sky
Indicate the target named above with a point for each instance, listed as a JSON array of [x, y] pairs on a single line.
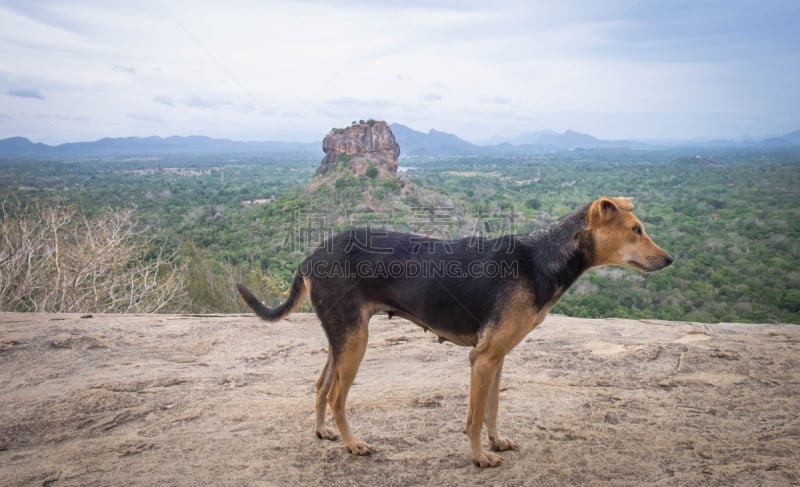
[[270, 70]]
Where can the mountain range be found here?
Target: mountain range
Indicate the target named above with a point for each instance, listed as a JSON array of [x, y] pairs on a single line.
[[412, 142], [436, 143], [119, 146]]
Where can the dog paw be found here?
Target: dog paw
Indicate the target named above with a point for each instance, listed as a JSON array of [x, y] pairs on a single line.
[[503, 444], [487, 459], [359, 448], [327, 434]]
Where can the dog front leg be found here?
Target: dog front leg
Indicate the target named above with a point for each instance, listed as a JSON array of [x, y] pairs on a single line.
[[495, 441], [485, 370]]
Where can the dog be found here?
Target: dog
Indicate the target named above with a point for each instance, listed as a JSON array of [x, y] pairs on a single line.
[[487, 294]]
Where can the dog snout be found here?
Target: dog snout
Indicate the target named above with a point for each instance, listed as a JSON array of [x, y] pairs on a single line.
[[658, 262]]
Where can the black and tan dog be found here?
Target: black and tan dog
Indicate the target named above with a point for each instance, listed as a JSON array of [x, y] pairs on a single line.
[[486, 294]]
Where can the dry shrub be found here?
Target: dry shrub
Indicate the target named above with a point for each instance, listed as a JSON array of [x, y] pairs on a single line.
[[54, 259]]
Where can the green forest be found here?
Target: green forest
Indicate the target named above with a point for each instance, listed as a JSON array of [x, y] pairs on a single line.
[[730, 218]]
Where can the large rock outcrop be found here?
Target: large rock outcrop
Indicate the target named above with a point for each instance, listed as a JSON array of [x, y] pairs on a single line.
[[87, 402], [359, 146]]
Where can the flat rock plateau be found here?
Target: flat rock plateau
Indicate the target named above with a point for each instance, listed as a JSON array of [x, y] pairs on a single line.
[[228, 400]]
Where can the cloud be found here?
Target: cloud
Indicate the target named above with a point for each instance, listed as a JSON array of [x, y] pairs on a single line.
[[352, 103], [349, 108], [247, 107], [498, 100], [205, 103], [26, 93], [65, 118], [124, 69], [143, 117], [164, 100], [575, 64]]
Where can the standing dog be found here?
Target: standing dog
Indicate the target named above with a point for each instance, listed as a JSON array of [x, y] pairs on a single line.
[[486, 294]]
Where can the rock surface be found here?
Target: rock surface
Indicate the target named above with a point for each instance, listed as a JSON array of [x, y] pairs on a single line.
[[228, 400], [359, 145]]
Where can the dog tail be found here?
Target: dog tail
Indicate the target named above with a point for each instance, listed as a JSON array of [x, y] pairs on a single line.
[[294, 301]]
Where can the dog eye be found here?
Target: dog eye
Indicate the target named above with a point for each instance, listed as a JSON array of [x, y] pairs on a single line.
[[637, 229]]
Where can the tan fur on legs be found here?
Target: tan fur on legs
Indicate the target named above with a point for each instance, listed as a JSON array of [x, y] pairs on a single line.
[[487, 360], [344, 371], [495, 442], [323, 388], [484, 372]]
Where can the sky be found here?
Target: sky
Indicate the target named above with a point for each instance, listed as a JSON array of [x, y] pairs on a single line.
[[276, 70]]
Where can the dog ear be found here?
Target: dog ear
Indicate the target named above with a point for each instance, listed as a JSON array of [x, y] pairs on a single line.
[[624, 203], [605, 209]]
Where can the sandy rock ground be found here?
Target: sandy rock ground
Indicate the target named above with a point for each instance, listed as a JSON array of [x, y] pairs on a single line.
[[228, 400]]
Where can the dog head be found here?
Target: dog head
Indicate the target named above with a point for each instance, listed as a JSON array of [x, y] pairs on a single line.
[[620, 238]]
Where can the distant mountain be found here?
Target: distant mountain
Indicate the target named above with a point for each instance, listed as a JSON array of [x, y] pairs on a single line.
[[792, 139], [412, 143], [530, 138], [416, 143], [434, 143], [568, 140], [22, 147]]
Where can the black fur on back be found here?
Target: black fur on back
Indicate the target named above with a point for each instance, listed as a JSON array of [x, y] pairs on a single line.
[[397, 273], [557, 255]]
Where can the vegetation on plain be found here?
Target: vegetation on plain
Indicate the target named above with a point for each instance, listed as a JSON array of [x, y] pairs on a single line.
[[207, 222]]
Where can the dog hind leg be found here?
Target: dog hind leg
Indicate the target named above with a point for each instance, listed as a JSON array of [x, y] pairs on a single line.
[[345, 366], [323, 388]]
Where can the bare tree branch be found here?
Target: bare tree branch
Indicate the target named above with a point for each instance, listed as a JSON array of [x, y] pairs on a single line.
[[54, 259]]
